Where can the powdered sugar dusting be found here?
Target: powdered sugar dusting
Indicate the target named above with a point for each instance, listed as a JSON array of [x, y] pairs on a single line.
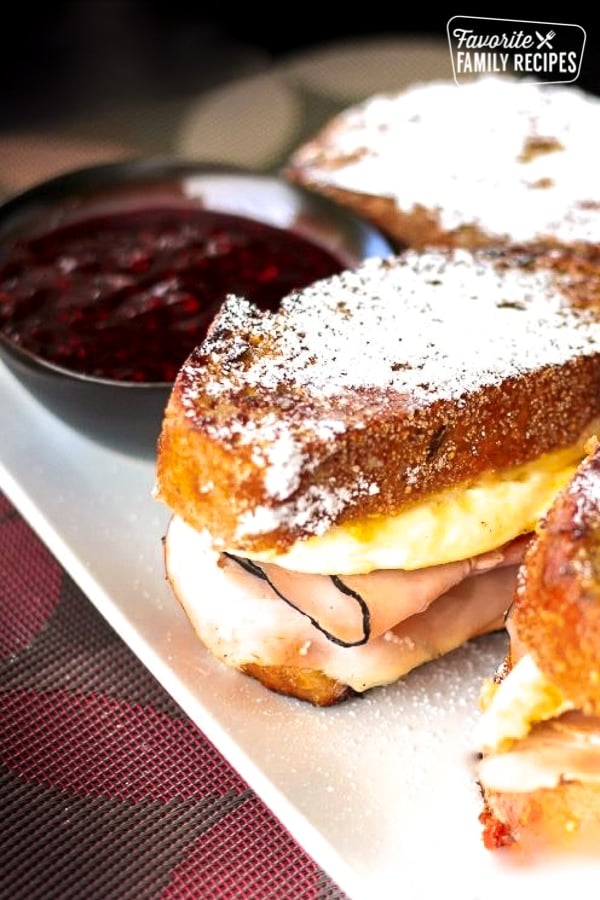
[[401, 334], [285, 460], [426, 325], [319, 505], [515, 158]]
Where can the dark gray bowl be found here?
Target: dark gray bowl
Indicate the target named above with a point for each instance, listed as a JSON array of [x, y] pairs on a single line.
[[127, 415]]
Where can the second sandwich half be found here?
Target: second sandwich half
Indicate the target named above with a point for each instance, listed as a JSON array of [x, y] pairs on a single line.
[[354, 478]]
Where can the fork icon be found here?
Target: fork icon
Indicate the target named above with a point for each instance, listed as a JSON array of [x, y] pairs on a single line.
[[545, 41]]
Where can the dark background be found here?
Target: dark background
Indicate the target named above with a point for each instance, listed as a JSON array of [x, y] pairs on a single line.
[[65, 59]]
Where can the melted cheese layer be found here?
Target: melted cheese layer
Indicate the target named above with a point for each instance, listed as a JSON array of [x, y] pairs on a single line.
[[455, 524], [522, 699]]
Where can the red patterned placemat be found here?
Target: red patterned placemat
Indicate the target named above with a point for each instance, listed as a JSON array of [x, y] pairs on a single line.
[[106, 788]]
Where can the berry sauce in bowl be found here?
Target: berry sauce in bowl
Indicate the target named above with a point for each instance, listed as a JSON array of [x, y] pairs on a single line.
[[124, 295], [110, 276]]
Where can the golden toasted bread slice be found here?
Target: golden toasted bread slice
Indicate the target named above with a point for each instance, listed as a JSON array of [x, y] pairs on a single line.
[[498, 159], [373, 390], [540, 774], [556, 612]]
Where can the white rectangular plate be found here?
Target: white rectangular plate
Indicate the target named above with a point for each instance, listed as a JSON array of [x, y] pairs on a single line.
[[379, 791]]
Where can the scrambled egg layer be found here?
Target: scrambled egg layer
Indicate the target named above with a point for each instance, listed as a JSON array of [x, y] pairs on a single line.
[[452, 525]]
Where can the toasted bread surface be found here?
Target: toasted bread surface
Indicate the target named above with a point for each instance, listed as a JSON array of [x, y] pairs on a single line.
[[304, 684], [556, 612], [526, 172], [544, 794], [375, 388], [565, 818]]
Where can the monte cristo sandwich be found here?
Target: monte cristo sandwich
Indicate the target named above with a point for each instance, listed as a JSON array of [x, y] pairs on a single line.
[[354, 478], [539, 735], [494, 160]]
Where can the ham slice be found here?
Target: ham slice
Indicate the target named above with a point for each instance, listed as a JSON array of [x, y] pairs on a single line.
[[240, 616], [354, 609]]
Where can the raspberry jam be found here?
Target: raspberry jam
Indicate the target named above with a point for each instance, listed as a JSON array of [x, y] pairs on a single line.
[[128, 295]]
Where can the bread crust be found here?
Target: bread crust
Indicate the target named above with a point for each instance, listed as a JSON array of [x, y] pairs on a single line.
[[565, 818], [556, 611], [304, 684], [262, 447], [419, 228]]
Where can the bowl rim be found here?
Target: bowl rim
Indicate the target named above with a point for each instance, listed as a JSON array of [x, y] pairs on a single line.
[[88, 180], [113, 173], [35, 362]]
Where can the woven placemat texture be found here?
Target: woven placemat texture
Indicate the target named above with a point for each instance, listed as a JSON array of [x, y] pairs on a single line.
[[107, 790]]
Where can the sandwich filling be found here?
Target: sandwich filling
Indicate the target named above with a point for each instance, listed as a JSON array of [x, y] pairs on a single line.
[[401, 620], [366, 603], [533, 737], [455, 524]]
